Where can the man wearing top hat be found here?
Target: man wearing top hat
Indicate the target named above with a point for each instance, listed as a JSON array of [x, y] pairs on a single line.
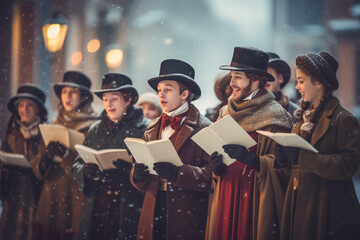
[[281, 72], [175, 204], [248, 194]]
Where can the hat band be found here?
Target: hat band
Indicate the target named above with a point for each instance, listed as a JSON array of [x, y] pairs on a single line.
[[240, 65], [109, 86]]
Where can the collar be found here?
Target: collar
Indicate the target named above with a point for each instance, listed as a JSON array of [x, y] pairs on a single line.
[[251, 96], [183, 108]]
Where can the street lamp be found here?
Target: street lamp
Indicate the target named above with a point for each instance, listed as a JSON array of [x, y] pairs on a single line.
[[54, 32]]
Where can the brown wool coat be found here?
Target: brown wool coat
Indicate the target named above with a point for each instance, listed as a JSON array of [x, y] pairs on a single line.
[[61, 200], [188, 196], [325, 205], [20, 189]]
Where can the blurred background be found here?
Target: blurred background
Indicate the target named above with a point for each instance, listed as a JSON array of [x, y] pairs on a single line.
[[134, 36]]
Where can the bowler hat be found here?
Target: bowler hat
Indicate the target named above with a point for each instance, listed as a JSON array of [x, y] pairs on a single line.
[[32, 92], [322, 66], [249, 60], [180, 71], [76, 80], [114, 82], [280, 66]]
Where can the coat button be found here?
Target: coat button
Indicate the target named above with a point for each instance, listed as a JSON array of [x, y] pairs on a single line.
[[109, 192], [116, 193], [295, 183]]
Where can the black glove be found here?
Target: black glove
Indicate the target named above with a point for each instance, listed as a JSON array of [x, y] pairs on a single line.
[[240, 153], [91, 171], [292, 154], [123, 166], [140, 172], [167, 170], [55, 148], [216, 164], [280, 154]]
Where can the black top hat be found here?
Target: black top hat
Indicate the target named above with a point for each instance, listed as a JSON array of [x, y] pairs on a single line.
[[114, 82], [280, 66], [32, 92], [177, 70], [76, 80], [322, 66], [251, 60]]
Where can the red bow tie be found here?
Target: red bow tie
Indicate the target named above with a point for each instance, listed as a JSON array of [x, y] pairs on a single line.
[[174, 122]]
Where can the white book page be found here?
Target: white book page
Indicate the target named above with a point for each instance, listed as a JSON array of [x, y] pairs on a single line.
[[232, 133], [14, 159], [164, 151], [58, 133], [107, 156], [140, 152], [87, 154], [210, 143], [289, 140]]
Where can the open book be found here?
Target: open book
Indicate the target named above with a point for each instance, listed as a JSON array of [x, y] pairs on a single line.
[[289, 140], [221, 132], [14, 159], [102, 158], [151, 152], [57, 133]]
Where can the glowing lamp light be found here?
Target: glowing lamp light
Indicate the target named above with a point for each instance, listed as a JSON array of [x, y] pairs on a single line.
[[76, 58], [54, 32], [114, 58], [93, 45]]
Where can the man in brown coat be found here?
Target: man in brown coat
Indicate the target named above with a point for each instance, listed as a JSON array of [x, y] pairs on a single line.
[[175, 204], [249, 194]]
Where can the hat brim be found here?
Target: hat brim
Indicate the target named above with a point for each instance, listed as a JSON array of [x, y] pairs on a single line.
[[59, 86], [281, 67], [181, 78], [269, 77], [12, 101], [125, 89]]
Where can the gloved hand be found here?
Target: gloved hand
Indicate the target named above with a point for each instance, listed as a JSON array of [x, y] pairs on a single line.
[[167, 170], [216, 164], [122, 166], [240, 153], [292, 154], [280, 154], [140, 172], [55, 148], [91, 171]]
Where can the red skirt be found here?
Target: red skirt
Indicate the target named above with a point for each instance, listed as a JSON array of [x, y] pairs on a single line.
[[234, 219]]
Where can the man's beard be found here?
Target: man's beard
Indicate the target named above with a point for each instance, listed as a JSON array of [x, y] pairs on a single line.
[[244, 92]]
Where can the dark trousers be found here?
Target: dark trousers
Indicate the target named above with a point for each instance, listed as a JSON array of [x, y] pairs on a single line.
[[160, 216]]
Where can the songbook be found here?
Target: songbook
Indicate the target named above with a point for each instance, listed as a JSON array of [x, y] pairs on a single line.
[[14, 159], [289, 140], [222, 132], [103, 158], [151, 152], [57, 133]]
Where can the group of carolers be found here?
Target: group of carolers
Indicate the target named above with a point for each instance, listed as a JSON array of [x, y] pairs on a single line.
[[269, 192]]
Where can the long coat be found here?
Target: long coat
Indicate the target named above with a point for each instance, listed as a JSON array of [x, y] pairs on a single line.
[[320, 200], [61, 200], [20, 189], [99, 137], [187, 198]]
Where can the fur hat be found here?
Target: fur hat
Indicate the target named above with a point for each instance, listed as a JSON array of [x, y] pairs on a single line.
[[116, 82], [280, 66], [322, 66], [32, 92], [76, 80], [149, 97], [221, 82], [180, 71], [249, 60]]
